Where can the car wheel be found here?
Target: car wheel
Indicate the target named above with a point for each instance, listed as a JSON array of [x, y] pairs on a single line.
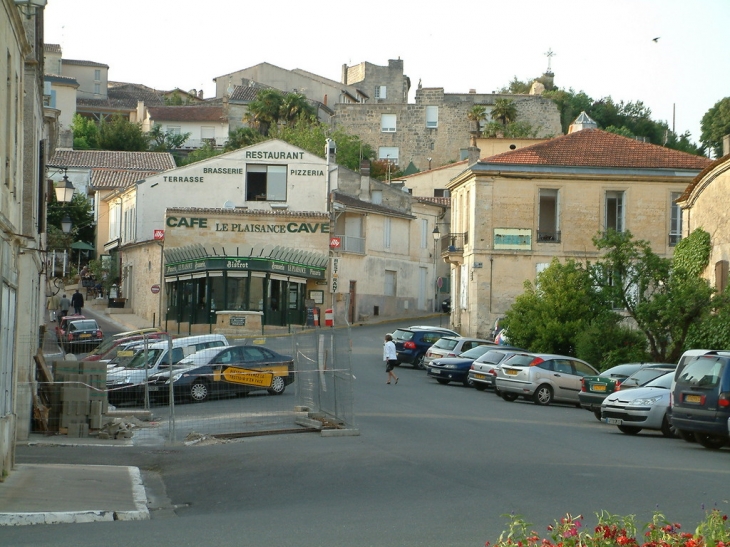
[[543, 395], [442, 381], [199, 391], [277, 386], [597, 414], [479, 386], [668, 429], [509, 397], [687, 436], [628, 429], [714, 442], [419, 362]]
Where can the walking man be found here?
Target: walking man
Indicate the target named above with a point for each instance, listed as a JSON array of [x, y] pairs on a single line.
[[65, 305], [52, 305], [390, 357], [77, 301]]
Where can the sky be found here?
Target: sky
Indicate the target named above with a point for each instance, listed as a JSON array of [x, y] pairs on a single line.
[[602, 47]]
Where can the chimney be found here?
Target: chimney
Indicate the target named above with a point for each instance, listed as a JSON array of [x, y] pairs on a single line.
[[473, 155], [472, 91], [344, 74], [365, 180]]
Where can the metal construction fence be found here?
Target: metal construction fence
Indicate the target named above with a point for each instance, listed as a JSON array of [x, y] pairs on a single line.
[[236, 387]]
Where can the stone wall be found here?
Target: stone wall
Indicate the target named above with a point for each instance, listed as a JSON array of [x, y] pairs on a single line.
[[367, 76], [442, 144]]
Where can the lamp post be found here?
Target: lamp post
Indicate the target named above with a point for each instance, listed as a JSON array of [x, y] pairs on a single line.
[[436, 236], [66, 226], [65, 191]]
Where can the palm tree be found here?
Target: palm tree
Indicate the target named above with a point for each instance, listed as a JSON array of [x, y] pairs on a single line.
[[504, 110], [265, 110], [295, 106], [476, 115]]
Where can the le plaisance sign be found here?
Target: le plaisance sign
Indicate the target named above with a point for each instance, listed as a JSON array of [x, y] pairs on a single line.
[[283, 228]]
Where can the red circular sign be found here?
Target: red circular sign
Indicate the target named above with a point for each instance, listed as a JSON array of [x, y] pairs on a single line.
[[155, 289]]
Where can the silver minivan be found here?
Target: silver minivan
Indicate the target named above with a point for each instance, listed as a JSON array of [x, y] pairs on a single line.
[[542, 378], [126, 382]]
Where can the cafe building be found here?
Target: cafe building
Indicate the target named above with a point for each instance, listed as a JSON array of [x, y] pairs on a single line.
[[251, 231]]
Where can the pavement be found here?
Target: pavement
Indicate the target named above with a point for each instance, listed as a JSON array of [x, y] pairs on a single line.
[[61, 493]]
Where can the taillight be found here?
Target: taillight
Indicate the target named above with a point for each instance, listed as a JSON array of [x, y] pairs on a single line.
[[582, 384], [471, 367], [70, 336], [617, 386], [493, 372], [451, 355], [536, 361], [409, 345], [724, 400]]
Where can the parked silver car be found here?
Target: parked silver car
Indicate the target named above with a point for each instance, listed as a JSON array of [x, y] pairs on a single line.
[[542, 377], [484, 369], [453, 346], [641, 408]]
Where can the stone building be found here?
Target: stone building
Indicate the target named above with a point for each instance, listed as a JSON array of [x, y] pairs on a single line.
[[704, 205], [251, 229], [23, 194], [513, 213]]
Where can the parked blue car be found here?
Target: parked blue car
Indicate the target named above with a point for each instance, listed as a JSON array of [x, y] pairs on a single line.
[[411, 344], [456, 369]]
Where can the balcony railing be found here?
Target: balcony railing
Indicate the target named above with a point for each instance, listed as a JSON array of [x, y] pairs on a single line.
[[350, 244], [454, 243], [551, 236]]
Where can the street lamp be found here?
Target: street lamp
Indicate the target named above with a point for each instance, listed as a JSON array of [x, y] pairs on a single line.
[[65, 191], [30, 7], [66, 224], [436, 236]]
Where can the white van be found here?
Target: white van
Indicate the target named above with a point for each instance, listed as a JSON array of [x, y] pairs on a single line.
[[126, 383]]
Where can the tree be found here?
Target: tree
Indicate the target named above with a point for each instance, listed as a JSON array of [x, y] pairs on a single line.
[[295, 106], [550, 314], [476, 115], [203, 153], [504, 111], [714, 126], [165, 141], [242, 137], [265, 110], [86, 133], [514, 130], [516, 86], [663, 297], [121, 134]]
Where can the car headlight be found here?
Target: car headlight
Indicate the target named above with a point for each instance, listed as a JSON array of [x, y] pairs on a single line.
[[175, 378], [449, 366], [645, 401]]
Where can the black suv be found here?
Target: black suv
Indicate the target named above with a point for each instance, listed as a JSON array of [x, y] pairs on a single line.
[[411, 344], [701, 400]]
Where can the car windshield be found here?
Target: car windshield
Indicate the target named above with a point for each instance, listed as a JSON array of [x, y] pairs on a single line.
[[520, 360], [492, 357], [475, 352], [89, 324], [664, 381], [400, 334], [138, 361], [446, 343], [705, 372], [619, 371], [644, 375]]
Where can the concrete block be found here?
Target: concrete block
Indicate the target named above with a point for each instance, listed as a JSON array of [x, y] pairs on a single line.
[[78, 430], [92, 367], [95, 421], [69, 394]]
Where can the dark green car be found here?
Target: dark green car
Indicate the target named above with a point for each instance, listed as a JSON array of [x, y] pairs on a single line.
[[594, 389]]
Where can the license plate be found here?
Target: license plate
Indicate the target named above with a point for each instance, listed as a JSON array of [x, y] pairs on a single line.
[[435, 371], [154, 388], [85, 336], [511, 372], [479, 376], [697, 399], [598, 387], [614, 421]]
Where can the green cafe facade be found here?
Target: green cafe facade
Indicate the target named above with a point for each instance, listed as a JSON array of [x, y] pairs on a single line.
[[214, 260]]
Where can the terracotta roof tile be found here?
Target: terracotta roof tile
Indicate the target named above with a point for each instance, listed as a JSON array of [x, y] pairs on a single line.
[[351, 201], [117, 178], [136, 161], [188, 113], [597, 148]]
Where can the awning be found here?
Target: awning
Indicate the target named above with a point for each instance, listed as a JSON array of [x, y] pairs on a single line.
[[82, 246]]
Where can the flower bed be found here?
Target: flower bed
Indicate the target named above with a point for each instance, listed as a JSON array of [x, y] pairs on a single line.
[[613, 530]]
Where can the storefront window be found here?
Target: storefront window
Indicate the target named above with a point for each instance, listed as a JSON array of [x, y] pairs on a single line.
[[256, 296], [236, 296]]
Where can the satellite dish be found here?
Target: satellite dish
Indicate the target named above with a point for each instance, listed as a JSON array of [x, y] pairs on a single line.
[[229, 205]]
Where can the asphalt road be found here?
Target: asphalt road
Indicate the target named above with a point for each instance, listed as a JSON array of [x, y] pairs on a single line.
[[434, 466]]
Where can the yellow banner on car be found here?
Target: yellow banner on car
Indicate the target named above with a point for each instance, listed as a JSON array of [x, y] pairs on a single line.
[[247, 377]]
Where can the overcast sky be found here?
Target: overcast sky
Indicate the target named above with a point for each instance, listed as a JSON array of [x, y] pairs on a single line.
[[602, 47]]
